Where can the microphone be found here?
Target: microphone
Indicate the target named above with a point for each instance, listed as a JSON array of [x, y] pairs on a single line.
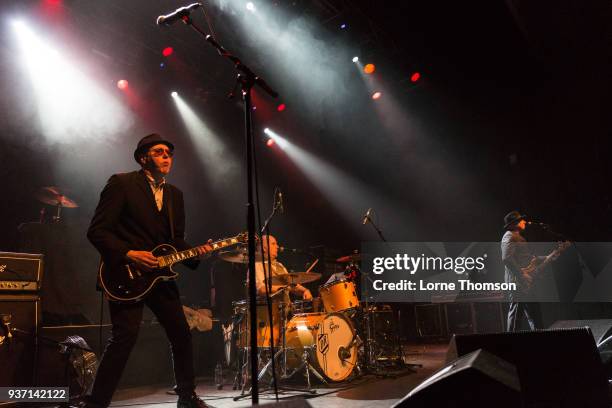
[[177, 14], [284, 249], [539, 224], [366, 217]]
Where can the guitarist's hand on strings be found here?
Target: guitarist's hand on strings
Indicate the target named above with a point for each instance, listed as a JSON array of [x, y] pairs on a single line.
[[143, 258]]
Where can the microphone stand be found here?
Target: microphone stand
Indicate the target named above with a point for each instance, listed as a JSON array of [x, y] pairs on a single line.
[[246, 79], [368, 316], [268, 283]]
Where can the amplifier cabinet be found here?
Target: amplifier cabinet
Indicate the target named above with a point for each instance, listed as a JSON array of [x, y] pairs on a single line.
[[20, 272]]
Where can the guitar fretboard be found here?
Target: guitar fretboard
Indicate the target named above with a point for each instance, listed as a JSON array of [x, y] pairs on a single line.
[[167, 260]]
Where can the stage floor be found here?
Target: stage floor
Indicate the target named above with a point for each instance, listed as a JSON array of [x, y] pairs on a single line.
[[365, 391]]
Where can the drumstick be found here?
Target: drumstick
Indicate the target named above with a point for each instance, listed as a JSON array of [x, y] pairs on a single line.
[[313, 265]]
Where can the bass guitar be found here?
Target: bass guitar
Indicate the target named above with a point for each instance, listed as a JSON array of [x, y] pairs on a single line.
[[131, 282]]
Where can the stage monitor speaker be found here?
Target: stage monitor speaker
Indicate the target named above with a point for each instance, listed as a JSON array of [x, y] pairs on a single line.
[[18, 352], [557, 368], [478, 379], [601, 328]]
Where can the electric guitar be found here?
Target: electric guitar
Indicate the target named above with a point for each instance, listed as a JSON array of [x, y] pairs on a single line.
[[531, 271], [131, 282]]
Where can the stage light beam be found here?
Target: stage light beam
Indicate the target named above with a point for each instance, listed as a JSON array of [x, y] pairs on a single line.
[[218, 161], [278, 139], [70, 105]]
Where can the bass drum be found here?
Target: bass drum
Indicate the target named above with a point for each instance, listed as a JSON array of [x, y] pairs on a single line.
[[328, 339]]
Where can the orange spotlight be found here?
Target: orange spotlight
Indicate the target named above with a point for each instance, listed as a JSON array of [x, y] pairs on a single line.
[[122, 84], [369, 69], [270, 142], [376, 95]]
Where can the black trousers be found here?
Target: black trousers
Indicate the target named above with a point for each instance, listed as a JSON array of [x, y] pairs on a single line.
[[519, 312], [164, 301]]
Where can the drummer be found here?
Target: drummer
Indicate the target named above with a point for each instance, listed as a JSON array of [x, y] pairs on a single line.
[[277, 269]]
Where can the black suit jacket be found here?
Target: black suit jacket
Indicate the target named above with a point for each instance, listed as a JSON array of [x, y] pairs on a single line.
[[127, 218]]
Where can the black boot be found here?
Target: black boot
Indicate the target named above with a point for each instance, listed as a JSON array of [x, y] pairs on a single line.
[[191, 401]]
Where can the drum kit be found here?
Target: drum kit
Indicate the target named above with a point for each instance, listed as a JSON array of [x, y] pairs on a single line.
[[334, 337]]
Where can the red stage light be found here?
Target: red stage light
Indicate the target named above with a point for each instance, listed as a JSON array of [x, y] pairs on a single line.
[[376, 95], [122, 84], [415, 77], [369, 68], [167, 51], [270, 142], [281, 107]]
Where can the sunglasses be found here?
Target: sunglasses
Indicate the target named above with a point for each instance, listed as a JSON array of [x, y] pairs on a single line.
[[160, 152]]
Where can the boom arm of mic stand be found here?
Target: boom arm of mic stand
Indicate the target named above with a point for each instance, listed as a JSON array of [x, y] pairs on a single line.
[[250, 75], [378, 231]]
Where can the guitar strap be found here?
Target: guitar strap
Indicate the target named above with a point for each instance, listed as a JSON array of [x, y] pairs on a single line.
[[170, 211]]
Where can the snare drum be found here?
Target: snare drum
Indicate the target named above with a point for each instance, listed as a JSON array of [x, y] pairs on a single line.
[[328, 340], [339, 295], [241, 313]]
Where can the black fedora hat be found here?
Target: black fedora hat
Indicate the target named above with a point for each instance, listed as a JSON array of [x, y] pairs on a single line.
[[513, 217], [148, 141]]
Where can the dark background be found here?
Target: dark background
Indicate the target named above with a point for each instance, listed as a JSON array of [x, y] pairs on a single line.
[[512, 112]]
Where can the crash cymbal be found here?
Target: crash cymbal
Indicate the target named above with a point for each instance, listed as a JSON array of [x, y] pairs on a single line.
[[295, 278], [349, 258], [54, 196]]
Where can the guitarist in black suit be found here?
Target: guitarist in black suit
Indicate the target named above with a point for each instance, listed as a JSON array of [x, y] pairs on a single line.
[[136, 212]]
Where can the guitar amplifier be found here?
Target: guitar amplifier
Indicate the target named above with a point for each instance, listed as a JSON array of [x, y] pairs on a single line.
[[20, 272]]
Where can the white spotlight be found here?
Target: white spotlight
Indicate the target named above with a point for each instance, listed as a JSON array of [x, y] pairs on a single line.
[[174, 94], [355, 59], [250, 6], [267, 131]]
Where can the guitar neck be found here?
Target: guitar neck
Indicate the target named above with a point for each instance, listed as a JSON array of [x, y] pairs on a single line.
[[171, 259]]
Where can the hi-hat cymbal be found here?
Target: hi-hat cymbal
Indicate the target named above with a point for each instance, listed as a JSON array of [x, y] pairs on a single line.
[[54, 196], [295, 278], [349, 258]]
